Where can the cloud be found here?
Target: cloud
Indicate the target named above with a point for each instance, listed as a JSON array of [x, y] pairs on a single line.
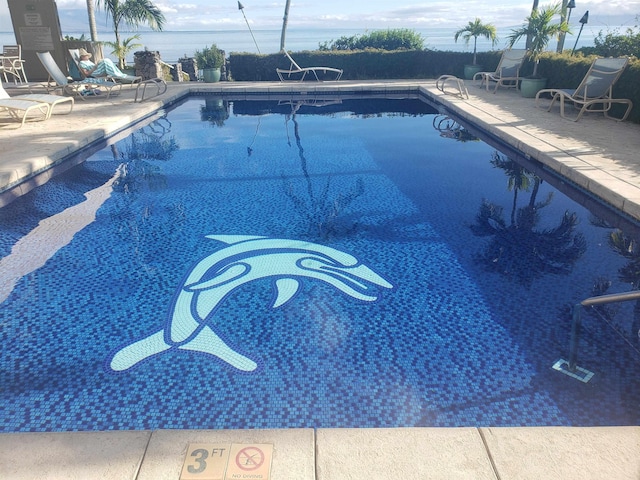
[[341, 14], [72, 4]]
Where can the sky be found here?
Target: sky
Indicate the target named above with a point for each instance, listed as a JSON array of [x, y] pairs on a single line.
[[219, 15]]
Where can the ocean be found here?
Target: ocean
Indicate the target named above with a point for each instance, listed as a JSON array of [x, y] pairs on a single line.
[[174, 45]]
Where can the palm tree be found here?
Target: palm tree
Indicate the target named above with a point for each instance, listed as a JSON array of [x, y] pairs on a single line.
[[285, 20], [133, 13], [539, 30], [92, 20], [533, 9], [477, 29], [127, 45]]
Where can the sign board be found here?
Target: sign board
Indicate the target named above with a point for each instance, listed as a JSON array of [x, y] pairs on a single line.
[[219, 461], [205, 461], [37, 29], [249, 461]]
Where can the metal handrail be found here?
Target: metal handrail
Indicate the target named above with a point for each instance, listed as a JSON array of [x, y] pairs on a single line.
[[576, 322], [141, 89]]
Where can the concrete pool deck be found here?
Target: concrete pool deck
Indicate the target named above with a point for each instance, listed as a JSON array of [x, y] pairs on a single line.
[[548, 453], [599, 154]]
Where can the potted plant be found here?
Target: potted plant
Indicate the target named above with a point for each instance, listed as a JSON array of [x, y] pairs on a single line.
[[539, 30], [210, 60], [476, 29]]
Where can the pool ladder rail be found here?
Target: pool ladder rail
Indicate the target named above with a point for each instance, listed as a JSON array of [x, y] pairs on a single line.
[[456, 86], [570, 367], [141, 90]]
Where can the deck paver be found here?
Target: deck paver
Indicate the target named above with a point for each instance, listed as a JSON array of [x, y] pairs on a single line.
[[72, 455], [565, 453], [411, 453]]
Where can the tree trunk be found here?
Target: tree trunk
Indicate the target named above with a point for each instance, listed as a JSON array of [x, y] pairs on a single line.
[[285, 19], [92, 20], [563, 18], [533, 9], [475, 44], [119, 49]]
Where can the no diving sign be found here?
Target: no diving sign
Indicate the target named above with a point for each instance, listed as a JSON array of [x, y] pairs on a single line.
[[249, 462], [227, 461]]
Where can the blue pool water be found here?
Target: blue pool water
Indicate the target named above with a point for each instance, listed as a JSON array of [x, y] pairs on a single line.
[[239, 266]]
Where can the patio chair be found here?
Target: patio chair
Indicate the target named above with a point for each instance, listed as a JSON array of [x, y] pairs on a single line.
[[83, 88], [74, 53], [21, 109], [295, 69], [595, 92], [507, 73], [51, 100], [13, 64]]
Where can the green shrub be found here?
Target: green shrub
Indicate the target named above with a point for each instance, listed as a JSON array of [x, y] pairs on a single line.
[[612, 44], [562, 71], [392, 39], [361, 64]]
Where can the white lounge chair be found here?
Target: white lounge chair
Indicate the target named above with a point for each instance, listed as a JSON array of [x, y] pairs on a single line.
[[21, 109], [507, 73], [59, 82], [595, 92], [51, 100], [295, 70], [74, 53]]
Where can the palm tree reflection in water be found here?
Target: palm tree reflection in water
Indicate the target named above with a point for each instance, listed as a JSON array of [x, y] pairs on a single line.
[[147, 144], [629, 274], [139, 220], [320, 211], [517, 249]]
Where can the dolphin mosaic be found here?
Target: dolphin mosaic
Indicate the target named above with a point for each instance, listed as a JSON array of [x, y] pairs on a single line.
[[244, 259]]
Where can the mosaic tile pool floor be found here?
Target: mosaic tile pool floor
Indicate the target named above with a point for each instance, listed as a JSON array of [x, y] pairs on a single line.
[[420, 279]]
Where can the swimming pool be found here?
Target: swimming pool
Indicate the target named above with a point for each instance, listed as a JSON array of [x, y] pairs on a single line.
[[239, 266]]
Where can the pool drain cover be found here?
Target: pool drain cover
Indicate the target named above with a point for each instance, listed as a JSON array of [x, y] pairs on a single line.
[[581, 374]]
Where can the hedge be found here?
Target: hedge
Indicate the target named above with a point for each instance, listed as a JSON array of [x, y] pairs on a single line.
[[563, 71]]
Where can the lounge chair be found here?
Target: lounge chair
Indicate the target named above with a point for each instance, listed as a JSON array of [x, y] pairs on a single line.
[[51, 100], [21, 109], [507, 73], [59, 82], [74, 53], [295, 70], [13, 64], [595, 92]]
